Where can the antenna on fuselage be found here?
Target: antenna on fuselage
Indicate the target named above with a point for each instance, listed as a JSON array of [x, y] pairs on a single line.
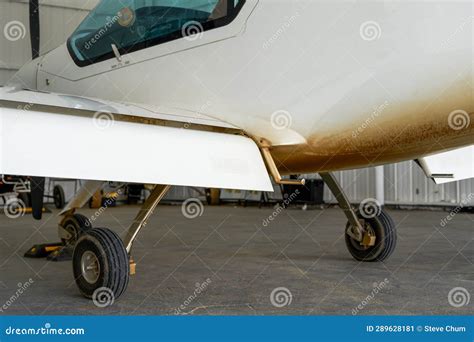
[[116, 52]]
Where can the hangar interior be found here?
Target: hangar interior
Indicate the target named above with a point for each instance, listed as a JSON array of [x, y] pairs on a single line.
[[402, 184], [215, 252]]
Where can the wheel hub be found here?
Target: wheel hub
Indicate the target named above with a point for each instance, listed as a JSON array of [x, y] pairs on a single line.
[[73, 232], [90, 267]]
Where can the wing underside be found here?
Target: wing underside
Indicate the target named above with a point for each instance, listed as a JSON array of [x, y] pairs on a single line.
[[50, 139], [449, 166]]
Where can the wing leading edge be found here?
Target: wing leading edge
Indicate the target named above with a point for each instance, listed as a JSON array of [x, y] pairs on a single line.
[[38, 139]]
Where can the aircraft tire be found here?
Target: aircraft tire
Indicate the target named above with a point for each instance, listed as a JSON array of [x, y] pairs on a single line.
[[59, 197], [76, 225], [385, 232], [101, 266]]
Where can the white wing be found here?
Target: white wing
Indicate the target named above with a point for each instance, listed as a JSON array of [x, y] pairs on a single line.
[[62, 136], [450, 166]]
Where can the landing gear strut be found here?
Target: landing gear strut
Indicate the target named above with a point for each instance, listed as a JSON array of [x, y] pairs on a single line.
[[101, 260], [369, 237]]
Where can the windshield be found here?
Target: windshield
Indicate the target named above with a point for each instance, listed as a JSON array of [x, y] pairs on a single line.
[[130, 25]]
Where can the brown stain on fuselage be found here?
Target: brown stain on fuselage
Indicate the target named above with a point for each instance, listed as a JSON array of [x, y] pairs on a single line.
[[403, 134]]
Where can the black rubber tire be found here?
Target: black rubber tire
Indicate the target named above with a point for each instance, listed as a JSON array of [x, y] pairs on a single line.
[[385, 240], [77, 225], [59, 197], [25, 198], [113, 259]]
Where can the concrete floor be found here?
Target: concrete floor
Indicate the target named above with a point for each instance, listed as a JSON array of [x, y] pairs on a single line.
[[302, 251]]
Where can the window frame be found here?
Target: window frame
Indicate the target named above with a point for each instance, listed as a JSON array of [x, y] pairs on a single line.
[[207, 26]]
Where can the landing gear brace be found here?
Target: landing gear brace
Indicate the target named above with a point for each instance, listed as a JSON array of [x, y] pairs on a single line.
[[101, 259]]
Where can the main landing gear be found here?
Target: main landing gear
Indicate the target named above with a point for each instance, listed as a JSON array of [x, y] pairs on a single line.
[[370, 233], [101, 259]]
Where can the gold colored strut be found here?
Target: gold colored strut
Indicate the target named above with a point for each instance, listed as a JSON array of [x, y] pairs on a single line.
[[273, 169]]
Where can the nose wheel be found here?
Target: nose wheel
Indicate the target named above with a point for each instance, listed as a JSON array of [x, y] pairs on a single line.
[[101, 264], [380, 227]]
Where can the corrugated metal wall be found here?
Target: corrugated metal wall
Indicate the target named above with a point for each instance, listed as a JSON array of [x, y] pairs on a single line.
[[405, 183]]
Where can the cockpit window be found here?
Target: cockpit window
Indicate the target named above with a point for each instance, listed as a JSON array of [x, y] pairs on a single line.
[[125, 26]]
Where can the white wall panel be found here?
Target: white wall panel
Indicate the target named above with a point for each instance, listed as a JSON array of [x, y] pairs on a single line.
[[58, 19]]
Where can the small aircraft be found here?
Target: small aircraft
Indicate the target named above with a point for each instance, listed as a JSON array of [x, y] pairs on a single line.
[[228, 93]]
